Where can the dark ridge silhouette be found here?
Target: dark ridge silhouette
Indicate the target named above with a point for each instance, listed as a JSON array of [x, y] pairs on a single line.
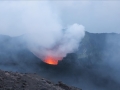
[[94, 66]]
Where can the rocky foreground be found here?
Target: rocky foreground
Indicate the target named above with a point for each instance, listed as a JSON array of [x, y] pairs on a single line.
[[18, 81]]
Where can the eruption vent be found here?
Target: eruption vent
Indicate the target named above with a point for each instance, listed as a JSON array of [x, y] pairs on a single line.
[[51, 60]]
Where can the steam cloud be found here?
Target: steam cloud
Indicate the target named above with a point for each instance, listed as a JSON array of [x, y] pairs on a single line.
[[65, 43], [43, 28]]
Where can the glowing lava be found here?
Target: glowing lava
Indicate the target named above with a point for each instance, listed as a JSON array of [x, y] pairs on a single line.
[[51, 60]]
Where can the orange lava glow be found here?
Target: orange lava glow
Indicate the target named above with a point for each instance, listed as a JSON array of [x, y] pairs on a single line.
[[51, 60]]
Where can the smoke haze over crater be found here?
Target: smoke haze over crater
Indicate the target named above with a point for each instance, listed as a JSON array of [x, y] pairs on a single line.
[[42, 27]]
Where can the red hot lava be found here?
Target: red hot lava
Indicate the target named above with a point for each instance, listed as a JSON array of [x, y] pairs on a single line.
[[51, 60]]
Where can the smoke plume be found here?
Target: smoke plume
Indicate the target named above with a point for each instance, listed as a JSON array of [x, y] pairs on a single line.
[[42, 27], [68, 42]]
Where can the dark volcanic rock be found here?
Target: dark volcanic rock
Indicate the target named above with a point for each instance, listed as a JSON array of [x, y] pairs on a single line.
[[18, 81]]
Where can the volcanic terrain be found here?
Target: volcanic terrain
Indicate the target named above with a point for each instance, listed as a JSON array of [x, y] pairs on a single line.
[[19, 81]]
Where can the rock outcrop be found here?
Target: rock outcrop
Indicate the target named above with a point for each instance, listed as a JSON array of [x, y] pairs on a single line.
[[19, 81]]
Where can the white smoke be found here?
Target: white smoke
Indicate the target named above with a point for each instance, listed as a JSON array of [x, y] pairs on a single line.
[[42, 27], [68, 43]]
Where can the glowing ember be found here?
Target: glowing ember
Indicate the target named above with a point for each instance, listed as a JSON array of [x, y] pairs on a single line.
[[51, 60]]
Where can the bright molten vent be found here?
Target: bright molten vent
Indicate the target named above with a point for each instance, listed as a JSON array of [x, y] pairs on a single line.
[[51, 60]]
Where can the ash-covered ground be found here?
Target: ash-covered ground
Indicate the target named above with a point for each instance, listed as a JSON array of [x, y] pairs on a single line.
[[18, 81]]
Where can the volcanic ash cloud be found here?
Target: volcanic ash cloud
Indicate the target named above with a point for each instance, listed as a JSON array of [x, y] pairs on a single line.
[[46, 36], [42, 27], [68, 42]]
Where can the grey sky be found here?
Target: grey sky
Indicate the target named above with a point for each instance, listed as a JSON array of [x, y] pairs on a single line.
[[96, 16]]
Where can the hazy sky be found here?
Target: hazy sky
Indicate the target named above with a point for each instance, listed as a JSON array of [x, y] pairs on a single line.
[[96, 16]]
